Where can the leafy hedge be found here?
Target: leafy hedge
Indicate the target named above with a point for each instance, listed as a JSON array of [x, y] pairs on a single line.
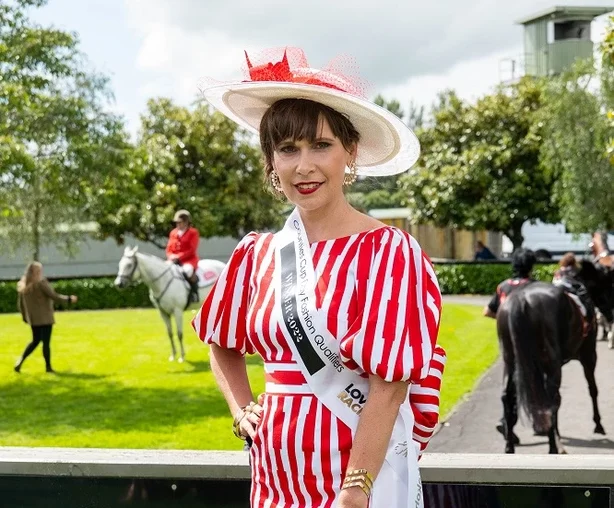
[[468, 278], [92, 293], [482, 278]]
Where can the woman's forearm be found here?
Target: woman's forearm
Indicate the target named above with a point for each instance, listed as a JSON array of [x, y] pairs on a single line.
[[375, 425], [230, 372]]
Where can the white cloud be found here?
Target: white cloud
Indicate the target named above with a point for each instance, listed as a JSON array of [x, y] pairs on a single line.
[[470, 79], [405, 49], [391, 40]]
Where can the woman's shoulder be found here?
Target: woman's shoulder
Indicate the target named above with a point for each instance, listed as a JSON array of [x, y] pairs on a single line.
[[382, 234], [36, 287], [253, 238], [250, 243], [42, 284]]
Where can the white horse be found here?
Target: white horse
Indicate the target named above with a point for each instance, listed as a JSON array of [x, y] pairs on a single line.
[[168, 288]]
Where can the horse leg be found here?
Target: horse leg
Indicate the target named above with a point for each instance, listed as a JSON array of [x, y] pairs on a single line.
[[554, 438], [589, 362], [604, 328], [557, 434], [169, 328], [179, 325], [510, 409]]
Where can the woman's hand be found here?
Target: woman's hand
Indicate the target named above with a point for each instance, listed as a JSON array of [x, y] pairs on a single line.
[[73, 298], [353, 497], [251, 419]]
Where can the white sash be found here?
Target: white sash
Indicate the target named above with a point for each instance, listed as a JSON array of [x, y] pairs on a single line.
[[340, 389]]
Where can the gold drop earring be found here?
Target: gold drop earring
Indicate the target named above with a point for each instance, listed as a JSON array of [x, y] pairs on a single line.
[[275, 182], [350, 177]]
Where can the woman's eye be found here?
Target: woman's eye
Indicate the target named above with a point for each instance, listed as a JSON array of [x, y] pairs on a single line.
[[322, 144], [287, 149]]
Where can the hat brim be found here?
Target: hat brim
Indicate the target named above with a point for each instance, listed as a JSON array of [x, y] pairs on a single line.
[[387, 146]]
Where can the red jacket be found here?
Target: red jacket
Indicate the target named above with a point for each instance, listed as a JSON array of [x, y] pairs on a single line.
[[185, 246]]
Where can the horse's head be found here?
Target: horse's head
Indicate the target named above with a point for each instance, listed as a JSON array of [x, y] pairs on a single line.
[[599, 282], [128, 268]]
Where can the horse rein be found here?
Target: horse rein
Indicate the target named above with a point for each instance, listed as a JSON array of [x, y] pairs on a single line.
[[158, 299]]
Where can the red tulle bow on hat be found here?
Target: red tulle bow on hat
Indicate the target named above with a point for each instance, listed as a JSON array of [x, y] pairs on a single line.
[[296, 70]]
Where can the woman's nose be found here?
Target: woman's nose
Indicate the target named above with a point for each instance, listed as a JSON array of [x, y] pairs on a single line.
[[305, 163]]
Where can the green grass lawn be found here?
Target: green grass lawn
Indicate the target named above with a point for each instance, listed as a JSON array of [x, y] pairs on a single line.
[[115, 387]]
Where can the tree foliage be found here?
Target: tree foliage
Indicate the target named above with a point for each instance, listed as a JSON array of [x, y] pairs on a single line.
[[480, 165], [576, 138], [607, 80], [193, 159], [57, 142], [385, 192], [579, 139]]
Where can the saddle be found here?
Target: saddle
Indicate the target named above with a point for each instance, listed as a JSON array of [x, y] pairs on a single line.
[[576, 291]]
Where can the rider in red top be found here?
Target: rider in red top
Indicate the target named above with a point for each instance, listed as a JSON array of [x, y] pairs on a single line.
[[182, 249]]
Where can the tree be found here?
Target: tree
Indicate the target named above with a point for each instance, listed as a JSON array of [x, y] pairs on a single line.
[[579, 139], [480, 165], [576, 139], [191, 159], [57, 144], [607, 74], [385, 192]]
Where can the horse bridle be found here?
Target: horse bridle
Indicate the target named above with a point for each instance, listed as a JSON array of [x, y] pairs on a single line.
[[128, 277]]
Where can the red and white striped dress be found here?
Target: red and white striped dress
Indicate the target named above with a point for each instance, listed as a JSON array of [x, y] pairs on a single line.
[[383, 303]]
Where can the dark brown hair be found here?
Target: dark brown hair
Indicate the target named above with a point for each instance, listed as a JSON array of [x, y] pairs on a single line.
[[298, 119]]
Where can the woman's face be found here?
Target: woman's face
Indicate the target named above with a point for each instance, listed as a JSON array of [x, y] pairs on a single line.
[[182, 224], [311, 174]]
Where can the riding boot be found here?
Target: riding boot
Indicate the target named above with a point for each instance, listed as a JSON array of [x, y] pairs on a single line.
[[194, 298]]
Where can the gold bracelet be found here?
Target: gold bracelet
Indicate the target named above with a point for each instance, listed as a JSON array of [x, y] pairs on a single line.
[[364, 488], [359, 478]]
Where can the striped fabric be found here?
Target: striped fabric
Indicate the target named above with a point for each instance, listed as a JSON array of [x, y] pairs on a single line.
[[382, 301]]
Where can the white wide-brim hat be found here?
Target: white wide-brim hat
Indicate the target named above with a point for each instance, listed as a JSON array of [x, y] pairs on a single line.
[[387, 146]]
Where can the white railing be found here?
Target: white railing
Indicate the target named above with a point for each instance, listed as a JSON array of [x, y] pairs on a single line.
[[483, 469]]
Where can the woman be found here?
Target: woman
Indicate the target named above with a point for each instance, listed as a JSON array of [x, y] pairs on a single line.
[[568, 267], [343, 309], [182, 249], [35, 302]]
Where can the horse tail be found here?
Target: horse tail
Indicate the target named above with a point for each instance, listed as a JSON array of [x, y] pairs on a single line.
[[530, 330]]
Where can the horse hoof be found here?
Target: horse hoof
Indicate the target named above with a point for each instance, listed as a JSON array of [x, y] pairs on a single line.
[[180, 360], [171, 358], [501, 430], [509, 449], [599, 430], [562, 451]]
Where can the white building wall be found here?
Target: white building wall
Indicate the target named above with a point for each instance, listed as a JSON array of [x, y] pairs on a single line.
[[96, 257]]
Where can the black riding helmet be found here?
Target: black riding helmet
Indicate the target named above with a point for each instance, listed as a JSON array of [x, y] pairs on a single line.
[[522, 262]]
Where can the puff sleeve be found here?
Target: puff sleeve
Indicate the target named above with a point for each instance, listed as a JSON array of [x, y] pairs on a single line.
[[222, 319], [395, 337]]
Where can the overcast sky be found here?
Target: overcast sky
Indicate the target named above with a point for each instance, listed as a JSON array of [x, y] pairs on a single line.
[[406, 50]]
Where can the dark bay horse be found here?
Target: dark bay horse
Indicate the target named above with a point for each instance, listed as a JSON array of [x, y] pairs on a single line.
[[540, 329], [603, 259]]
